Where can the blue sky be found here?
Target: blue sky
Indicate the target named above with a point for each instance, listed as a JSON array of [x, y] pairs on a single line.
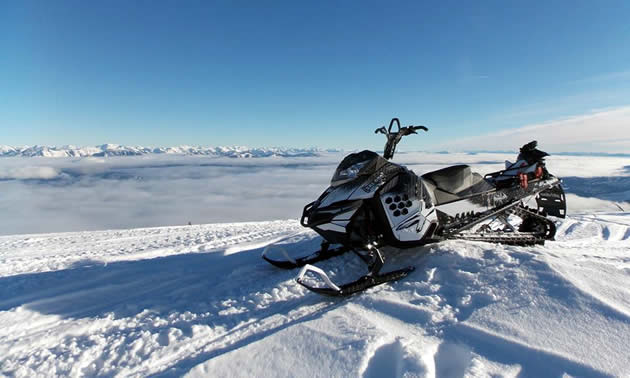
[[299, 73]]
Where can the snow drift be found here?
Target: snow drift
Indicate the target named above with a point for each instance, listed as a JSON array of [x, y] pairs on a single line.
[[198, 300]]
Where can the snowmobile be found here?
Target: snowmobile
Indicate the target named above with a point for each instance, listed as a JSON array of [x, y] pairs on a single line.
[[372, 203]]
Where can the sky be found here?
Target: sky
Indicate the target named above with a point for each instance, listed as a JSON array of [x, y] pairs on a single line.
[[480, 75]]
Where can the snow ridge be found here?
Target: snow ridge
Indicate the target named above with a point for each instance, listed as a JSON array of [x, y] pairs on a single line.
[[199, 301], [105, 150]]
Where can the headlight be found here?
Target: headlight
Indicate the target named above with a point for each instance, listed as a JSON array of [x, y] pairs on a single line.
[[348, 174]]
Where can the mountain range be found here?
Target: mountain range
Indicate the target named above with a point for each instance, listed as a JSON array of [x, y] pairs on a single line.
[[105, 150]]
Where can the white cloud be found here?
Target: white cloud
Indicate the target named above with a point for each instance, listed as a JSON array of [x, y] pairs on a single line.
[[600, 131], [29, 172], [90, 194], [125, 192]]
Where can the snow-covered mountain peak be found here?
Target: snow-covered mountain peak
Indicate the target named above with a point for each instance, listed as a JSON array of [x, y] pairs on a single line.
[[110, 149]]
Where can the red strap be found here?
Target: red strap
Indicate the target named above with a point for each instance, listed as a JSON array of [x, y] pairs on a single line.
[[523, 180]]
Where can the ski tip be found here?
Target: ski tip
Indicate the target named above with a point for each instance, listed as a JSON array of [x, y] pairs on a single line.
[[355, 287]]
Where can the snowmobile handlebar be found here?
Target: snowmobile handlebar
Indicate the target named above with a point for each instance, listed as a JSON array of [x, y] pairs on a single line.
[[394, 137], [391, 123], [403, 131], [414, 128]]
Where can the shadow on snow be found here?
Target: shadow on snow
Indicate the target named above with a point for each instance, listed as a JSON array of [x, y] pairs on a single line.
[[612, 188], [224, 290], [215, 289]]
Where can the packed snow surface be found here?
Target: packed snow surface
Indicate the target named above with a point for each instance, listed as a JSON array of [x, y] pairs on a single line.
[[199, 301]]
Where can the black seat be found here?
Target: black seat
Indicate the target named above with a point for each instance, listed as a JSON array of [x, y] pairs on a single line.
[[452, 179], [452, 183]]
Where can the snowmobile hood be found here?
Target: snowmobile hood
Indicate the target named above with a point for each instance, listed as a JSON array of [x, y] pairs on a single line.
[[356, 165], [365, 172]]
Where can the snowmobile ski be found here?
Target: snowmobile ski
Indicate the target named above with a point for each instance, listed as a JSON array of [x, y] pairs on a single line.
[[290, 263], [375, 261], [363, 283]]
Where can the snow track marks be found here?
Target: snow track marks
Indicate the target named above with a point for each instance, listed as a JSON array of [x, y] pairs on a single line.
[[198, 300]]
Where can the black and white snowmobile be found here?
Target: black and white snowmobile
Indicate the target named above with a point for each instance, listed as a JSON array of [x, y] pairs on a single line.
[[372, 203]]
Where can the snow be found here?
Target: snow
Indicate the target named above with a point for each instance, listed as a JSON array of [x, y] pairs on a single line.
[[199, 301], [109, 149]]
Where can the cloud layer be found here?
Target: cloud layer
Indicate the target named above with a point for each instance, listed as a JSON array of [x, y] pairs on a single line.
[[28, 172], [89, 194], [51, 194], [600, 131]]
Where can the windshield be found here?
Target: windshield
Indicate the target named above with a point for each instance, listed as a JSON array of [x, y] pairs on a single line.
[[355, 165]]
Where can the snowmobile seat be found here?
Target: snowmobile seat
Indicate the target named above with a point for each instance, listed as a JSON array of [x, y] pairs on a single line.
[[453, 179], [449, 184]]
